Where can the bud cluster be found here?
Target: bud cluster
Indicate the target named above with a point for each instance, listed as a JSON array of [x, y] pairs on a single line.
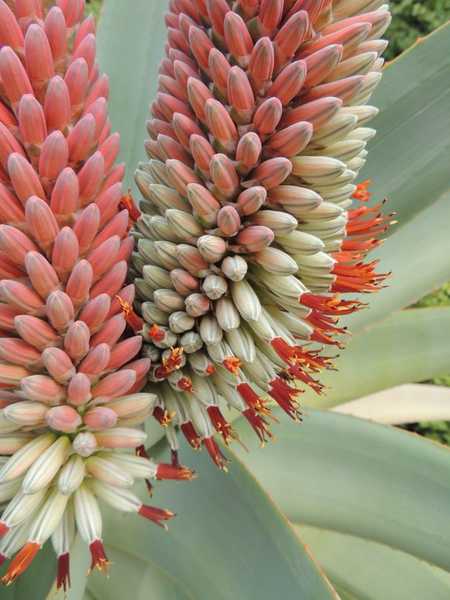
[[70, 401], [249, 230]]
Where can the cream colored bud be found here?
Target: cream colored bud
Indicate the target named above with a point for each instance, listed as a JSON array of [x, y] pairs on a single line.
[[179, 322], [197, 305], [41, 473], [215, 286], [226, 314], [209, 330], [156, 277], [246, 300], [234, 268], [85, 444], [71, 475], [211, 247], [191, 342]]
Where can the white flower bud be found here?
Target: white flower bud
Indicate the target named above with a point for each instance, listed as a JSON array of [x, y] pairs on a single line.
[[234, 268], [179, 322], [21, 460], [46, 466], [209, 330], [246, 300], [107, 471], [226, 314], [85, 444], [214, 286], [71, 475]]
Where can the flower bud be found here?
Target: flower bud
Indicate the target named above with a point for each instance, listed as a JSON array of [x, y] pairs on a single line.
[[100, 417], [228, 221], [63, 418], [234, 267], [197, 305], [211, 247], [85, 444], [214, 286], [180, 322]]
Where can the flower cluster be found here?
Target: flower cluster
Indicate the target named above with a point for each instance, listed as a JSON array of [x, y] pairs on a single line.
[[69, 385], [249, 232]]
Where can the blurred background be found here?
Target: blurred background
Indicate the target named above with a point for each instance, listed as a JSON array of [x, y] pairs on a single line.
[[411, 21]]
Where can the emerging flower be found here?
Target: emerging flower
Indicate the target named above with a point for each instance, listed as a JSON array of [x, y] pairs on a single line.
[[248, 233], [70, 396]]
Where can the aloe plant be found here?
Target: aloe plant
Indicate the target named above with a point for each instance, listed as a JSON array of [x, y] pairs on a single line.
[[337, 500]]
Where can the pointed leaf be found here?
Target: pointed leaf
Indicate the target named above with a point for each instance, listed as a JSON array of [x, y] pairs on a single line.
[[360, 478]]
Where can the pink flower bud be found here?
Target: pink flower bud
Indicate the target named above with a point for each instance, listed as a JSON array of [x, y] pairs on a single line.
[[117, 226], [191, 259], [248, 151], [240, 95], [7, 315], [63, 418], [86, 50], [20, 296], [268, 116], [8, 269], [255, 238], [203, 203], [81, 138], [251, 200], [79, 390], [224, 175], [15, 244], [270, 13], [100, 417], [12, 375], [221, 125], [291, 35], [219, 68], [90, 177], [112, 282], [77, 80], [99, 110], [13, 75], [96, 361], [24, 178], [73, 11], [198, 94], [65, 252], [11, 210], [108, 201], [228, 221], [95, 312], [114, 385], [104, 256], [181, 175], [124, 351], [237, 38], [289, 82], [35, 331], [58, 364], [86, 226], [197, 305], [200, 45], [110, 150], [41, 273], [38, 56], [8, 145], [41, 388], [19, 352], [183, 282], [32, 126], [55, 28], [76, 340], [345, 89], [10, 32], [316, 112], [321, 63], [290, 141], [99, 89], [86, 27], [41, 222], [140, 367], [262, 62], [57, 104], [54, 156], [111, 331], [79, 282], [64, 199], [272, 172], [60, 311]]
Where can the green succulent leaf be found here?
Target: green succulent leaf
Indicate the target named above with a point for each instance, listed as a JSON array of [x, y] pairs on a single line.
[[130, 46], [408, 159], [373, 571], [228, 541], [359, 478]]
